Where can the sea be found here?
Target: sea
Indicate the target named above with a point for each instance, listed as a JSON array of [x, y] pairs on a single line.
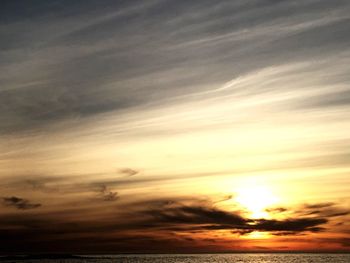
[[203, 258]]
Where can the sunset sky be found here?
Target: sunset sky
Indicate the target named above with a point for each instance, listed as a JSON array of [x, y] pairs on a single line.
[[174, 126]]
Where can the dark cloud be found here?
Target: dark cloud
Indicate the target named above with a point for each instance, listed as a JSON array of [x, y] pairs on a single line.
[[128, 171], [63, 232], [135, 226], [319, 205], [19, 203], [327, 209], [108, 195], [276, 210], [205, 218], [225, 198], [291, 225]]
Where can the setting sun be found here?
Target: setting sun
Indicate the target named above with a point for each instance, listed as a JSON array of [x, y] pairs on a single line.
[[257, 235], [256, 199]]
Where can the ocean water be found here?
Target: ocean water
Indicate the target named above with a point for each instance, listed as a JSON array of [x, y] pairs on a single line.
[[206, 258]]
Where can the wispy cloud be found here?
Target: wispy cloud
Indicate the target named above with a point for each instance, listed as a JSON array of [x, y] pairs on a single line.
[[108, 195], [160, 62], [128, 171], [19, 203]]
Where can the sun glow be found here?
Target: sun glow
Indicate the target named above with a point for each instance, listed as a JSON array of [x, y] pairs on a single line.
[[258, 235], [256, 199]]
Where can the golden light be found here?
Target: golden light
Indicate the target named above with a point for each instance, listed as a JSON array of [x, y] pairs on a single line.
[[257, 235], [256, 199]]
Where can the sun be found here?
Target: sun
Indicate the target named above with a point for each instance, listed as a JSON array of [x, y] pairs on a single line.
[[257, 235], [256, 199]]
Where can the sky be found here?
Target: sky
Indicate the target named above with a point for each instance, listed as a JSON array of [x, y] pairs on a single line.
[[174, 126]]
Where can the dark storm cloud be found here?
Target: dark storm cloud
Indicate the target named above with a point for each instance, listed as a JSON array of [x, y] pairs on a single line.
[[19, 203], [63, 60]]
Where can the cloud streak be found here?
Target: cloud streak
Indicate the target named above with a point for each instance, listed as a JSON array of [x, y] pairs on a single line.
[[110, 76], [206, 218], [19, 203]]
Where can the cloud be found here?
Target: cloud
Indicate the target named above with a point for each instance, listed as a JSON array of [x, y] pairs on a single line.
[[196, 215], [39, 183], [19, 203], [328, 210], [108, 195], [162, 221], [207, 218], [128, 171], [81, 61], [276, 210], [319, 205], [224, 199], [294, 225]]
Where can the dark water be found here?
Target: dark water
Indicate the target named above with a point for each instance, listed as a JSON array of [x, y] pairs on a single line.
[[206, 258]]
